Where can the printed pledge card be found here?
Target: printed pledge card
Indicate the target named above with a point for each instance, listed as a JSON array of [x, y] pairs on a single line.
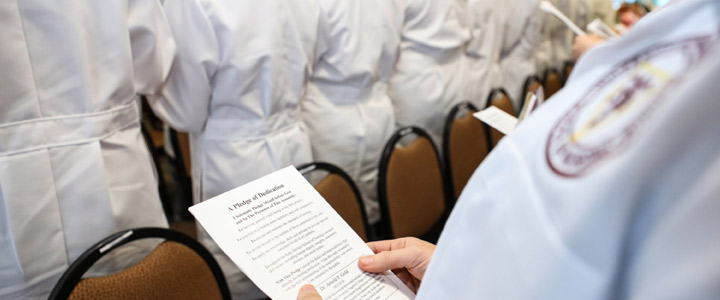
[[283, 234]]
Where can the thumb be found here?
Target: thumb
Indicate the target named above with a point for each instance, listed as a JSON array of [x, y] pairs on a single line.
[[308, 292]]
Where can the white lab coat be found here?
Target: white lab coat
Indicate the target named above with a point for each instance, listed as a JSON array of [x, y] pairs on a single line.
[[560, 37], [521, 31], [239, 74], [483, 50], [543, 48], [431, 71], [635, 212], [73, 164], [601, 9], [582, 13], [347, 111], [555, 40]]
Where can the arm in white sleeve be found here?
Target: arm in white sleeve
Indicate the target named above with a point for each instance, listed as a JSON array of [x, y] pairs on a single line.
[[322, 44], [679, 257], [185, 100], [480, 19], [151, 44]]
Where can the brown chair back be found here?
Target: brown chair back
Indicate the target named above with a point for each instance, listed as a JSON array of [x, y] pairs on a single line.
[[341, 192], [500, 99], [532, 83], [553, 83], [411, 187], [465, 145], [178, 268]]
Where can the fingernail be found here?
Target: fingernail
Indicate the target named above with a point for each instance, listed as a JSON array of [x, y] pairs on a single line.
[[366, 260], [308, 287]]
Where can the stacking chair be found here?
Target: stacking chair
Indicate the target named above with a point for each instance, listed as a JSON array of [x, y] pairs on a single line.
[[532, 83], [465, 144], [412, 190], [341, 192], [178, 268], [553, 82], [500, 99]]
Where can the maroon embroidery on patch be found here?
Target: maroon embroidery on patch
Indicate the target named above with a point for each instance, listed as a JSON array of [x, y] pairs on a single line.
[[613, 111]]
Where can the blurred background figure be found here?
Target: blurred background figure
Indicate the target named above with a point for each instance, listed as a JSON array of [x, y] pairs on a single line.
[[483, 49], [506, 37], [347, 110], [558, 36], [628, 14], [73, 164], [236, 84], [521, 33], [554, 45], [603, 10], [430, 74]]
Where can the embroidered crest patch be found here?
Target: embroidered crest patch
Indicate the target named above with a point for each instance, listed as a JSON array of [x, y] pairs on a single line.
[[613, 111]]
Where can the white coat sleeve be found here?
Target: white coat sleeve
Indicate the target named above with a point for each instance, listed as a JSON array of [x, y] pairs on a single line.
[[479, 17], [184, 102], [322, 44], [151, 44], [680, 256]]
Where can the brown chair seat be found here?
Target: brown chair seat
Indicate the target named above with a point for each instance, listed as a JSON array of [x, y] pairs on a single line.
[[178, 268], [553, 83]]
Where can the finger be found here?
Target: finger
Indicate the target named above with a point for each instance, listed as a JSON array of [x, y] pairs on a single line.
[[393, 259], [380, 246], [388, 245], [308, 292]]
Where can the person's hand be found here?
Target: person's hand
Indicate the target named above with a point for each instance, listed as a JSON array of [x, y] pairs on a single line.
[[308, 292], [584, 42], [408, 258]]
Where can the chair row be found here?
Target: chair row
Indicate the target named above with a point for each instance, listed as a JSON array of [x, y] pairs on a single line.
[[417, 188], [414, 201], [466, 143], [551, 82], [412, 189]]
